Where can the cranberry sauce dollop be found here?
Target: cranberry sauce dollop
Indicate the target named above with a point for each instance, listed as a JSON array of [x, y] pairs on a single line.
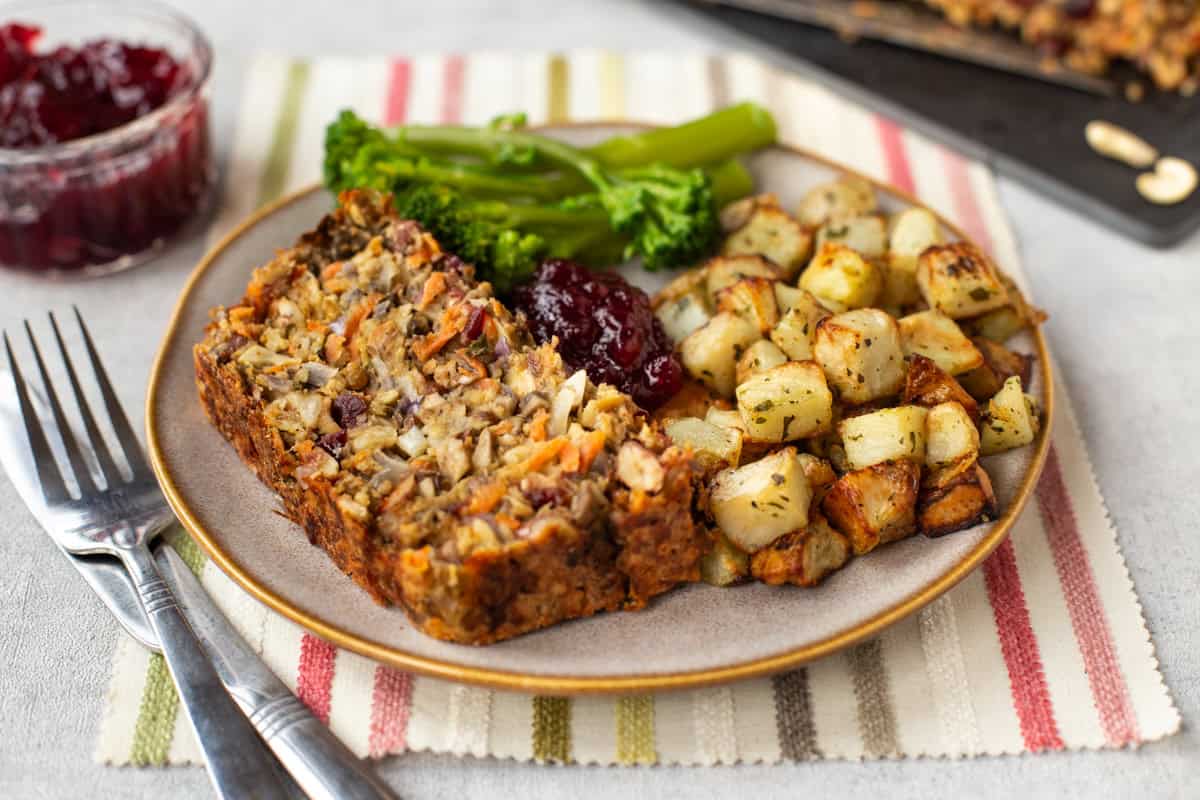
[[72, 92], [604, 326]]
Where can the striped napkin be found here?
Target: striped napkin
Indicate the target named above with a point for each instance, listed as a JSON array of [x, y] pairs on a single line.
[[1044, 648]]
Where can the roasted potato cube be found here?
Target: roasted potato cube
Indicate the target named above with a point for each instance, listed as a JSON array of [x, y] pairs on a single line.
[[866, 235], [725, 418], [724, 564], [710, 354], [849, 196], [841, 279], [999, 364], [693, 399], [712, 444], [828, 447], [926, 384], [802, 557], [900, 291], [956, 496], [752, 299], [683, 315], [936, 336], [684, 283], [1001, 324], [910, 233], [771, 233], [728, 270], [884, 435], [798, 325], [861, 354], [820, 474], [759, 357], [950, 435], [959, 280], [736, 214], [875, 505], [787, 402], [1010, 420], [756, 504]]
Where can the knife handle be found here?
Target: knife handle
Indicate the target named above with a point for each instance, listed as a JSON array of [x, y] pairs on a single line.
[[316, 759], [238, 764]]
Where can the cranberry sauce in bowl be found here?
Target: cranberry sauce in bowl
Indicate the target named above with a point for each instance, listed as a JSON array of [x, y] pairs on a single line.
[[605, 326], [104, 134]]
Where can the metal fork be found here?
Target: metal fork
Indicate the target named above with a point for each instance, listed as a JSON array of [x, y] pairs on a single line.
[[121, 519]]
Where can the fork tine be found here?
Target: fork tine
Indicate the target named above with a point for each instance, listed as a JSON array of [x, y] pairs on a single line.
[[125, 435], [83, 475], [108, 468], [53, 488]]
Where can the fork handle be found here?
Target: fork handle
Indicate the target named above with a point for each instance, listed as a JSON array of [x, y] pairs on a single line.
[[239, 765]]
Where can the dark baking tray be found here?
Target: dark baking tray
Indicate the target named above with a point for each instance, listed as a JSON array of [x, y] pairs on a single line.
[[1023, 127]]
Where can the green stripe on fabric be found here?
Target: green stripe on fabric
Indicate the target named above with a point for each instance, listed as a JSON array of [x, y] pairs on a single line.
[[558, 81], [187, 549], [635, 730], [552, 728], [155, 727], [279, 156]]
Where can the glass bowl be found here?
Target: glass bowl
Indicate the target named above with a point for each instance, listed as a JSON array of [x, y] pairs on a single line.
[[111, 200]]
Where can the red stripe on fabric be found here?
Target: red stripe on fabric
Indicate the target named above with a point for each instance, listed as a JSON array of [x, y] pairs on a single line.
[[314, 680], [1018, 644], [395, 109], [966, 208], [1090, 623], [453, 73], [891, 139], [391, 706]]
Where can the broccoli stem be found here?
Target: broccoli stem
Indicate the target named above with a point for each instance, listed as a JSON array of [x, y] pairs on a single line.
[[707, 140], [473, 180], [730, 181]]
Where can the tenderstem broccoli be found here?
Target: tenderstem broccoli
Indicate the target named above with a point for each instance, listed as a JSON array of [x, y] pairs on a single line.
[[504, 198]]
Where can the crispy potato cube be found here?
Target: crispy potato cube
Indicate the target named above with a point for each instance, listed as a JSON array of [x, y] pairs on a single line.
[[926, 384], [736, 214], [842, 279], [865, 235], [756, 504], [752, 299], [819, 472], [787, 402], [725, 418], [759, 357], [770, 232], [936, 336], [956, 496], [787, 296], [693, 399], [795, 331], [950, 435], [1001, 324], [861, 354], [875, 505], [728, 270], [1010, 420], [724, 564], [910, 233], [683, 315], [710, 354], [684, 283], [712, 444], [849, 196], [884, 435], [959, 280], [802, 557], [828, 447], [999, 364], [900, 290]]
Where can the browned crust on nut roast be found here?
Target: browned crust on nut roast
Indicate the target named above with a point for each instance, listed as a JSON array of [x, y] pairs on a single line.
[[634, 546]]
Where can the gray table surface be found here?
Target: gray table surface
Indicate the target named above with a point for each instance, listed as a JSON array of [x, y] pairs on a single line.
[[1123, 325]]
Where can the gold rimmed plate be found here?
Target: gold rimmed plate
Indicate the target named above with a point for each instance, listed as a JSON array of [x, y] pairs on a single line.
[[696, 635]]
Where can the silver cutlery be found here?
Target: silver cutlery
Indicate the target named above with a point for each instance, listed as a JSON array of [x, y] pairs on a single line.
[[318, 761], [119, 519]]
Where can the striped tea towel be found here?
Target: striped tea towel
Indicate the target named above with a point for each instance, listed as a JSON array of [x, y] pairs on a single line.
[[1044, 648]]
